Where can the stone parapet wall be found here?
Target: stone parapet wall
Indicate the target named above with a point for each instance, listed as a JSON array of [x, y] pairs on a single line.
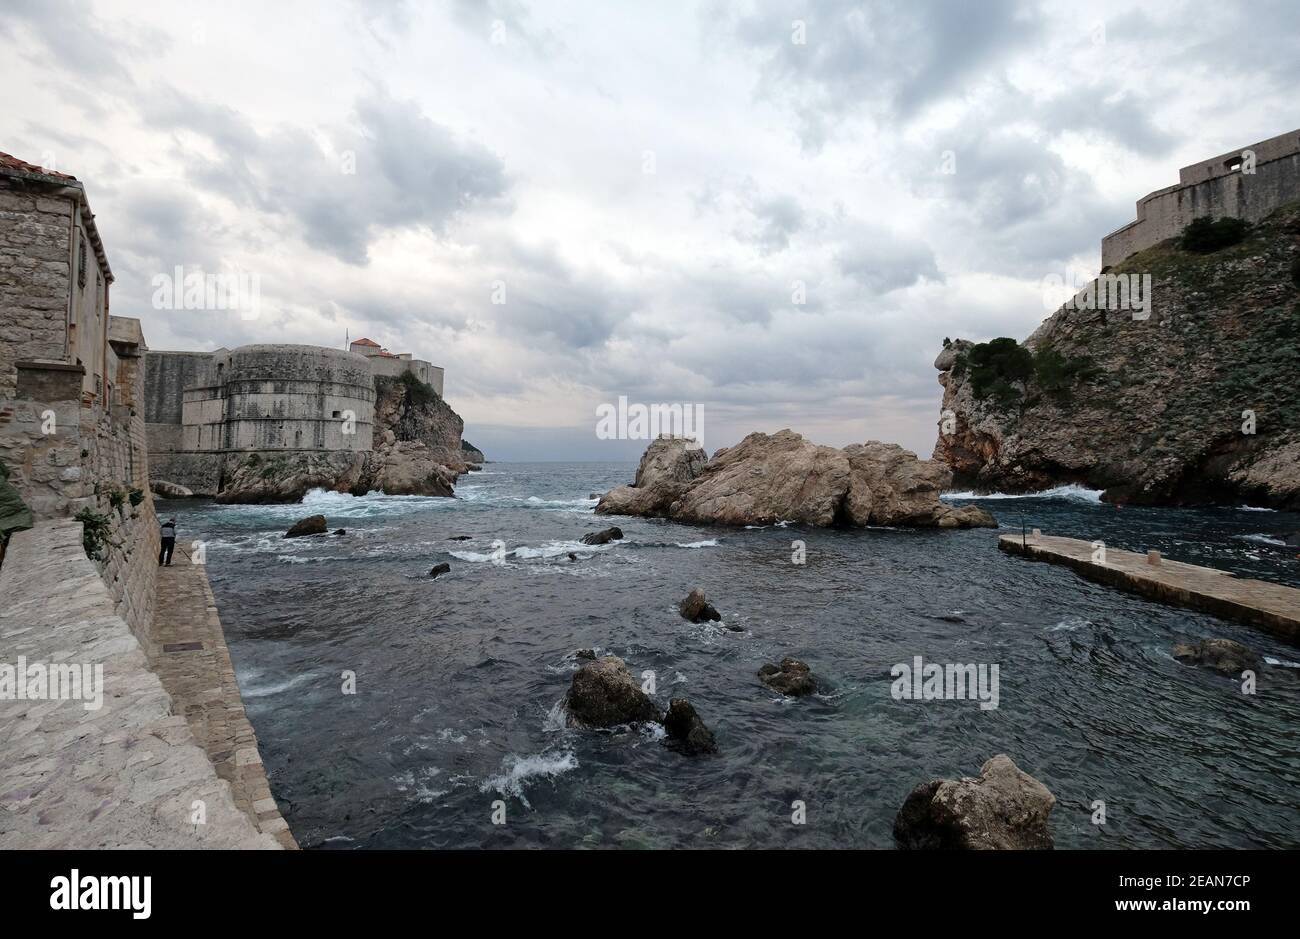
[[128, 775]]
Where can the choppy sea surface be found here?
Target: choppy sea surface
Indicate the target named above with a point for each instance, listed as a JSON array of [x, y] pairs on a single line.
[[459, 680]]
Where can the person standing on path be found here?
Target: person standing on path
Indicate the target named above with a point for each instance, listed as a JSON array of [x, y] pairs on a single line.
[[168, 542]]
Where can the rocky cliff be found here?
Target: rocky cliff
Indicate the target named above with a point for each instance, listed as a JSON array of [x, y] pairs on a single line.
[[781, 477], [417, 451], [1199, 402]]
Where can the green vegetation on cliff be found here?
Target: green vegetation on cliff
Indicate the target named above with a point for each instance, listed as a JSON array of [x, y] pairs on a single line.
[[1005, 371]]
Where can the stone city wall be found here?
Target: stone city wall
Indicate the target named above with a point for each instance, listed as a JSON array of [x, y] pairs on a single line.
[[1212, 188]]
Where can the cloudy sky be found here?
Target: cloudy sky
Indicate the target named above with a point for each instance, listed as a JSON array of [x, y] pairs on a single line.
[[644, 184]]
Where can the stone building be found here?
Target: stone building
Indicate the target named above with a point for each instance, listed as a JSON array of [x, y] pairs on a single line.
[[1224, 186], [71, 435], [383, 362]]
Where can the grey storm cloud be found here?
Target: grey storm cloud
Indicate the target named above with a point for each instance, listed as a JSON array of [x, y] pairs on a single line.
[[892, 59], [881, 261], [74, 37], [392, 168], [777, 217], [815, 163], [1020, 206]]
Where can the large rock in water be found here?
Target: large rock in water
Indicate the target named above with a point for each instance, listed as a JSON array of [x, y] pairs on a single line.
[[604, 694], [791, 677], [603, 537], [1220, 655], [768, 478], [765, 479], [697, 608], [667, 467], [311, 525], [686, 732], [410, 468], [1005, 808]]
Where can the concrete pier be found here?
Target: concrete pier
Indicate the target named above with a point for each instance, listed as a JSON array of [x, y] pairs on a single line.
[[1271, 607]]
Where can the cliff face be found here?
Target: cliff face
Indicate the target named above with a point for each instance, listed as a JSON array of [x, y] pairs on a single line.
[[413, 412], [1198, 403]]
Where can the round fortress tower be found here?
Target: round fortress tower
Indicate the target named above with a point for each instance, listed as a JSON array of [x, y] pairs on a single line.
[[282, 397]]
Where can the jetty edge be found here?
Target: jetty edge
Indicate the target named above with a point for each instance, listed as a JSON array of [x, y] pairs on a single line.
[[1274, 608]]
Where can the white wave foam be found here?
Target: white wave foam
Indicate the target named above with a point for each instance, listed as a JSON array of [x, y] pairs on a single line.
[[1281, 663], [1261, 539], [557, 718], [550, 549], [711, 543], [520, 772], [344, 505], [1073, 492], [250, 690], [1070, 624], [420, 788], [1254, 508]]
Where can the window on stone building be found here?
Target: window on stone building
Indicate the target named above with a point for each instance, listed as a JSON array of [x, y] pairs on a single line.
[[81, 263]]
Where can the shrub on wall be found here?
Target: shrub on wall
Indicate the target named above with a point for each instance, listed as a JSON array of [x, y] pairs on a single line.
[[94, 532], [1204, 234]]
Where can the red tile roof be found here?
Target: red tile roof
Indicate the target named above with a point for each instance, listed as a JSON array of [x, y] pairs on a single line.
[[364, 342], [8, 161]]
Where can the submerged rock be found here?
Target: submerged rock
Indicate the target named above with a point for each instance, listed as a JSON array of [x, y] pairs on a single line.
[[340, 531], [768, 478], [791, 677], [1004, 809], [311, 525], [603, 537], [603, 694], [443, 568], [1220, 655], [460, 537], [686, 732], [697, 609]]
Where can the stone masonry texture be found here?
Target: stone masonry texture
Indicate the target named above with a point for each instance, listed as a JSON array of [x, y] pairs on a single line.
[[128, 775]]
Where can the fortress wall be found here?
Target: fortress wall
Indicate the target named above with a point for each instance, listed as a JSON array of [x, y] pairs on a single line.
[[426, 372], [1164, 214], [167, 374]]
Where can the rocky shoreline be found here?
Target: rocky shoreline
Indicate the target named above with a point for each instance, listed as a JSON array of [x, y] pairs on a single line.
[[771, 478]]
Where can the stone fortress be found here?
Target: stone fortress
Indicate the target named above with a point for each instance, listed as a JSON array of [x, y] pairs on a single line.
[[1225, 186]]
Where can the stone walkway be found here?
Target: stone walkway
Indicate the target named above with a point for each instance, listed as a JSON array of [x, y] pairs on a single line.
[[193, 662], [129, 774], [1272, 607]]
